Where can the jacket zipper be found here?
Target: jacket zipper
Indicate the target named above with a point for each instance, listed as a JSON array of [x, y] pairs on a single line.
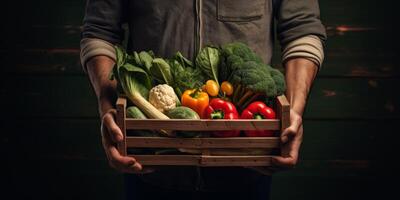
[[198, 28]]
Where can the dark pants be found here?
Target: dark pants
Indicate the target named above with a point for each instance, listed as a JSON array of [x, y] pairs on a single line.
[[136, 189]]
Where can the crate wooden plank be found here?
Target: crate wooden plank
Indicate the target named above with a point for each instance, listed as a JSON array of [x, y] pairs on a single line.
[[236, 161], [283, 111], [202, 125], [121, 116], [192, 160], [237, 142], [241, 142], [240, 152]]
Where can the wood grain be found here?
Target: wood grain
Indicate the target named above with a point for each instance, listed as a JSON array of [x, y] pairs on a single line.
[[168, 159], [202, 125], [283, 112], [121, 122], [205, 161], [235, 161], [239, 142], [366, 139]]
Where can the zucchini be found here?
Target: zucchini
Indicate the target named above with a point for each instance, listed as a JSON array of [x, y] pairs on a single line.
[[183, 112]]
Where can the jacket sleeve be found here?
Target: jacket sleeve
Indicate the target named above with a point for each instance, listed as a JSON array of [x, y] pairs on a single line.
[[102, 28], [103, 20], [298, 18]]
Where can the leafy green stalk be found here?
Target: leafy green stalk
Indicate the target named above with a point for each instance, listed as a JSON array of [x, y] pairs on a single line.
[[161, 71], [135, 84], [208, 61]]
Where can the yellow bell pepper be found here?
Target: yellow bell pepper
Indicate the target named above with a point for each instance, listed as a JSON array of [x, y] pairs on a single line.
[[196, 100]]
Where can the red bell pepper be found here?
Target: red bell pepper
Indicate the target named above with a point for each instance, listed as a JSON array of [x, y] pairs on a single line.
[[258, 110], [220, 109]]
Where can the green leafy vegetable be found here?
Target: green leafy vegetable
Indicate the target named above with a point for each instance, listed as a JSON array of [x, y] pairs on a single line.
[[185, 74], [161, 71], [208, 61], [135, 83]]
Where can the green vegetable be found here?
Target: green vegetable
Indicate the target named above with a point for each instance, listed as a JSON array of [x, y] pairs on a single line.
[[183, 112], [134, 112], [161, 71], [208, 61], [182, 60], [146, 60], [135, 83], [249, 75], [185, 75]]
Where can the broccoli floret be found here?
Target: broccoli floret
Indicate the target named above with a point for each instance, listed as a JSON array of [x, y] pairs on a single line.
[[251, 77], [279, 79], [241, 50], [255, 77]]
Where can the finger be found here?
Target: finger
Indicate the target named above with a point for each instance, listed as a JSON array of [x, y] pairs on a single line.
[[113, 130], [290, 160], [292, 130], [284, 162], [123, 162]]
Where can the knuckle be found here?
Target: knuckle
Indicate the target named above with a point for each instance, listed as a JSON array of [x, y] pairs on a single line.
[[299, 120], [114, 130]]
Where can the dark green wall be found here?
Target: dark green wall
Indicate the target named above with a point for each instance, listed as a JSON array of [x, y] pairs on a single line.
[[50, 136]]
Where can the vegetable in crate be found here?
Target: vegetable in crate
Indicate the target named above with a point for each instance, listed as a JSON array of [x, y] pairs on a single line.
[[212, 88], [258, 110], [208, 61], [135, 113], [220, 109], [177, 72], [183, 112], [196, 100], [226, 88], [135, 83], [162, 71], [163, 98], [249, 75]]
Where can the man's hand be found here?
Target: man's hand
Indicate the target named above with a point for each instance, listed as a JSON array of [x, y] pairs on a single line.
[[98, 69], [300, 74], [291, 139], [111, 135]]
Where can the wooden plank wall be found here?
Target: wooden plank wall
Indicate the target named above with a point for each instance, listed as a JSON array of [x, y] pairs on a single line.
[[50, 130]]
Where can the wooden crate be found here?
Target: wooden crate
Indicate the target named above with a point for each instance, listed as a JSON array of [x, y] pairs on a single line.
[[233, 151]]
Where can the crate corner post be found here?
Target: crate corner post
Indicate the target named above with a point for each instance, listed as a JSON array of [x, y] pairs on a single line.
[[283, 111], [121, 122]]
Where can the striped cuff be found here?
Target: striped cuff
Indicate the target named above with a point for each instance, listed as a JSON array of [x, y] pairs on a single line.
[[309, 47], [91, 47]]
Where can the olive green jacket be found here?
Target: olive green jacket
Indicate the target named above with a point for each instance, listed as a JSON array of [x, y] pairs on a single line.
[[167, 26]]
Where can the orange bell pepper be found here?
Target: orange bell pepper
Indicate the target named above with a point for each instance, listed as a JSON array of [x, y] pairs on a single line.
[[196, 100]]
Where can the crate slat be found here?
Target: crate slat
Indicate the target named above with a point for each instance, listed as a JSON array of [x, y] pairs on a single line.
[[205, 161], [192, 160], [236, 142], [121, 121], [236, 161], [202, 125]]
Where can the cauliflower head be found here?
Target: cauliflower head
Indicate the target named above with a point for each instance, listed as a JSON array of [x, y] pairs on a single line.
[[163, 97]]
